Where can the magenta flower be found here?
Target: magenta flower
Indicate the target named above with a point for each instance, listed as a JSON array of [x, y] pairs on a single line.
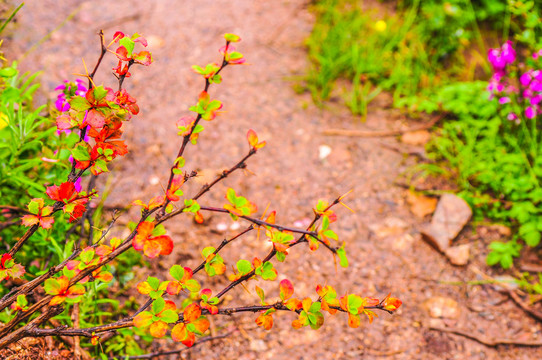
[[502, 56], [69, 90], [530, 112]]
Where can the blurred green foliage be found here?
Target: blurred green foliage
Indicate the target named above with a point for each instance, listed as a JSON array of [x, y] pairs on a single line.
[[432, 55]]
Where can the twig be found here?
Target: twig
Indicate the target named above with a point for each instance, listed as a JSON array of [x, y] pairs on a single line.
[[77, 341], [205, 188], [378, 133], [186, 138], [486, 341], [515, 297], [199, 342], [263, 223], [222, 244], [273, 252]]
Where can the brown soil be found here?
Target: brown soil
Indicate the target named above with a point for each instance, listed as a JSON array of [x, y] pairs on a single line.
[[385, 250]]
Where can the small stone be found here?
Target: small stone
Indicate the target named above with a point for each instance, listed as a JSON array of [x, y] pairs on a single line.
[[154, 41], [258, 345], [323, 151], [458, 255], [442, 307], [451, 215], [222, 227], [390, 226], [154, 180]]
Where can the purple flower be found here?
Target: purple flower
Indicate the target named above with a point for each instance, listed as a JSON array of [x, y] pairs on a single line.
[[69, 90], [502, 56], [504, 100], [77, 185], [508, 53], [525, 78], [512, 116], [530, 112], [535, 100]]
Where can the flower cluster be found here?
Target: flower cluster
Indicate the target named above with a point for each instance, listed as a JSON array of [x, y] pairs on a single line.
[[528, 92], [67, 91]]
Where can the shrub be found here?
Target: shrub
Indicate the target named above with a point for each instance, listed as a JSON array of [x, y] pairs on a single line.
[[178, 307]]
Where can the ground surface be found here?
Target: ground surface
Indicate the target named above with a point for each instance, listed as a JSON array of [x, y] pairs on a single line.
[[385, 249]]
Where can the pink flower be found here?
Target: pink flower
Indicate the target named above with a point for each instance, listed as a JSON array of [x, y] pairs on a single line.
[[525, 78], [512, 116], [502, 56], [530, 112]]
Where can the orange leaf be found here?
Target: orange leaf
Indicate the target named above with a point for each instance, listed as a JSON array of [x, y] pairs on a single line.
[[142, 319], [179, 332], [252, 138], [166, 244], [353, 320], [265, 321], [59, 299], [158, 329], [192, 312], [201, 324], [144, 288], [170, 305], [173, 288], [152, 248], [306, 302]]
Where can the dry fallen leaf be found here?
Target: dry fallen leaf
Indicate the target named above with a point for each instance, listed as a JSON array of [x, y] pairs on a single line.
[[419, 137], [420, 205]]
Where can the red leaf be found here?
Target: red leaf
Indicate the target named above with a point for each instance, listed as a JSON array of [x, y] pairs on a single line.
[[286, 289]]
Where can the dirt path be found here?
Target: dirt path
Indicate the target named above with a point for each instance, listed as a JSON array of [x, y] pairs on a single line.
[[386, 252]]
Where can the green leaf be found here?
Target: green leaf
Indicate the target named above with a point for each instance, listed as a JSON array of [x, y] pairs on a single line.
[[317, 320], [192, 285], [158, 305], [52, 287], [169, 316], [244, 266], [81, 152], [343, 261], [153, 282], [34, 207], [79, 103], [325, 223], [532, 238], [316, 306], [493, 258], [87, 255], [128, 44], [177, 272], [207, 251]]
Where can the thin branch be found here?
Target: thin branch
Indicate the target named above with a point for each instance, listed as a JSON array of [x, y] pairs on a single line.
[[534, 313], [186, 138], [222, 244], [160, 218], [263, 223], [484, 340], [379, 133], [103, 51], [273, 252], [172, 352]]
